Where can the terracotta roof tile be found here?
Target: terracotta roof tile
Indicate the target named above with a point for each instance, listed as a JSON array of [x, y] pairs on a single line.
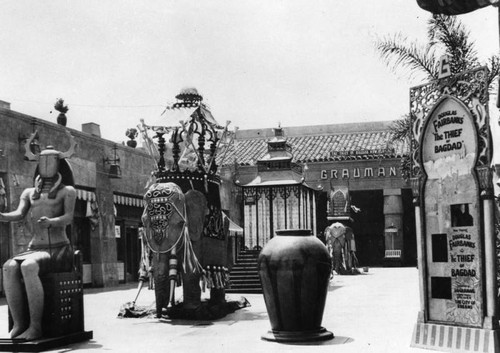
[[314, 147]]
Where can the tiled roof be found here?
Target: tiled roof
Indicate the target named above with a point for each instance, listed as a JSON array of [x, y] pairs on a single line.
[[275, 177], [322, 147]]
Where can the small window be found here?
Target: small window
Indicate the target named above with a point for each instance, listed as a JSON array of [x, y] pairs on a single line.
[[441, 287], [460, 215], [439, 247]]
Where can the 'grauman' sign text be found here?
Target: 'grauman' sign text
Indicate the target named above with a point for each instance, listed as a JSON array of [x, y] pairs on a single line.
[[380, 172]]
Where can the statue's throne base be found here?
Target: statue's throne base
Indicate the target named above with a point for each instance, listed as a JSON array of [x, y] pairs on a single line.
[[63, 317], [43, 344]]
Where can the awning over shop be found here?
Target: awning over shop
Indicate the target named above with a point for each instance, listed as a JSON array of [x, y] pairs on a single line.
[[128, 201], [85, 195], [233, 227]]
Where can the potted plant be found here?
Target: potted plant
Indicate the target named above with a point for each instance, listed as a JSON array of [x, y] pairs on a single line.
[[131, 133], [62, 109]]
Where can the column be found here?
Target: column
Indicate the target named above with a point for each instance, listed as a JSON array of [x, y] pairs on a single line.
[[490, 255], [393, 221], [422, 283]]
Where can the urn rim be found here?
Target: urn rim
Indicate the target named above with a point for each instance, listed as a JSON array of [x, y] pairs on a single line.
[[294, 232]]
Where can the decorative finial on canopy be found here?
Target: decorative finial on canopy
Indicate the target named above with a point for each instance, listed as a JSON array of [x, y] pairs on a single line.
[[189, 94]]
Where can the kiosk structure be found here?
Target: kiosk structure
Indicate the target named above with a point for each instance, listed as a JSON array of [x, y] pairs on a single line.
[[453, 198]]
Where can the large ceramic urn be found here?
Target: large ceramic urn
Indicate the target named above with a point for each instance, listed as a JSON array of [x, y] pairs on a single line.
[[294, 269]]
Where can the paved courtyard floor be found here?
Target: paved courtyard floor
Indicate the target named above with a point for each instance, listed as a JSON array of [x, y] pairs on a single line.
[[371, 312]]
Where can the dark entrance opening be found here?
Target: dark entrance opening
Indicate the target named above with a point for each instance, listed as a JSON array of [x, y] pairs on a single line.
[[409, 233], [133, 249], [128, 244], [368, 226]]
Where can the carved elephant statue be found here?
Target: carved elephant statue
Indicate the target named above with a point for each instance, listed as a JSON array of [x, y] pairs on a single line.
[[173, 223], [342, 247]]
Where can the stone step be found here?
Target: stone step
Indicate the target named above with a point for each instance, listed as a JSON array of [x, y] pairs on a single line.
[[246, 259], [253, 282], [244, 274], [246, 284], [250, 252], [244, 290], [245, 264], [241, 268], [252, 255], [245, 280], [242, 281]]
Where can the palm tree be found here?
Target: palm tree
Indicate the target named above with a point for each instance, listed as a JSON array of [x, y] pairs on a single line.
[[446, 35], [401, 133]]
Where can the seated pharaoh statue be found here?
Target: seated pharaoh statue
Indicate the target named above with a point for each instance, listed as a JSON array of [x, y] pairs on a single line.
[[48, 208]]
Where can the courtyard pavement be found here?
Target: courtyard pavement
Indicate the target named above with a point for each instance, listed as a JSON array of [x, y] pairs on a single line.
[[371, 312]]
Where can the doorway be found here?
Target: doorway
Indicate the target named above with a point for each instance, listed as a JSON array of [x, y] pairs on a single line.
[[368, 226], [128, 248], [133, 253]]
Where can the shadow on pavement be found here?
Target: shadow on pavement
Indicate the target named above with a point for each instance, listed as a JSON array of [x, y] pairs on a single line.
[[332, 287], [238, 316], [245, 315], [77, 346], [121, 287], [337, 340]]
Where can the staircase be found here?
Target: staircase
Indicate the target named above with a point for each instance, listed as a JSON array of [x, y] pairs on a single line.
[[244, 274]]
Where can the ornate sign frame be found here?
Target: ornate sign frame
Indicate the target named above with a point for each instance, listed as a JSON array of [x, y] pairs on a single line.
[[470, 87], [435, 228]]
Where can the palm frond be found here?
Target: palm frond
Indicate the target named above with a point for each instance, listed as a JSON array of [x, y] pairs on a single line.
[[448, 34], [401, 129], [401, 134], [398, 53], [493, 65]]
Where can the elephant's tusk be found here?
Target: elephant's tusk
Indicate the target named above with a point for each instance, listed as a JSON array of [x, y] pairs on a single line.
[[172, 274], [139, 287]]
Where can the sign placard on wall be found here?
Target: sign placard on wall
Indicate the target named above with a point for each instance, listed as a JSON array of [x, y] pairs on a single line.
[[452, 214], [452, 186], [118, 232]]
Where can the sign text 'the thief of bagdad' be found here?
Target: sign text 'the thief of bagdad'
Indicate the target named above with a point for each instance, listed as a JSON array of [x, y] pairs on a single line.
[[453, 198]]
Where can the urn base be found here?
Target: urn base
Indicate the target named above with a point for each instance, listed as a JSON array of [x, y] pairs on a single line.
[[320, 334]]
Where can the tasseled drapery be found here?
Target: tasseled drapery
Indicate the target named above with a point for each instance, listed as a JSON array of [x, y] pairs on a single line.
[[212, 277], [215, 277]]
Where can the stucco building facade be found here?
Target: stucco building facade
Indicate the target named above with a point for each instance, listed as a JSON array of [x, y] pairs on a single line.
[[357, 157], [108, 208], [110, 179]]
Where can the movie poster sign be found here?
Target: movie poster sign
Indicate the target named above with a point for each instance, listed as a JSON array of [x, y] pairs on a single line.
[[452, 215]]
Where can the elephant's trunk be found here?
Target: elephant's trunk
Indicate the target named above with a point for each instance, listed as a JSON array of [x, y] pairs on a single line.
[[338, 258], [160, 273]]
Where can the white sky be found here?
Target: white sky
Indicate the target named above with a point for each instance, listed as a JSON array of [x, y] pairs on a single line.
[[257, 63]]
